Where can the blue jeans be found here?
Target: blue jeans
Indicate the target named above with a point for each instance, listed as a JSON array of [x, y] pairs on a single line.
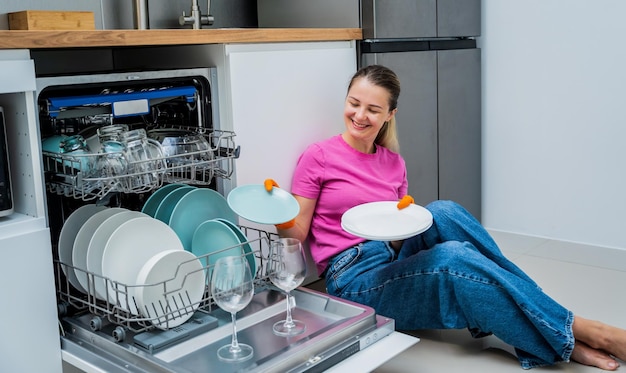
[[454, 276]]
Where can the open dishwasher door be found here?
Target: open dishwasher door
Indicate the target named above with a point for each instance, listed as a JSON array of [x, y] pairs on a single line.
[[103, 337], [336, 331]]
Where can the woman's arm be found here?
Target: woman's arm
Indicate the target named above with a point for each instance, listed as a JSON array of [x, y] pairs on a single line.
[[303, 221]]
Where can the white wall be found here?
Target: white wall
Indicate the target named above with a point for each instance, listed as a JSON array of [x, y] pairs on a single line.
[[554, 122]]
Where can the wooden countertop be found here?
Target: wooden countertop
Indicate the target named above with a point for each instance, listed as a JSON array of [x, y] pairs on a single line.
[[17, 39]]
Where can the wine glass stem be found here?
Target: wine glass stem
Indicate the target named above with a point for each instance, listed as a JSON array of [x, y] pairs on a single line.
[[289, 321], [234, 345]]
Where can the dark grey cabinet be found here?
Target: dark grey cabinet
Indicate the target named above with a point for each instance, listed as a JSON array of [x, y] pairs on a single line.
[[378, 18], [439, 122], [420, 18]]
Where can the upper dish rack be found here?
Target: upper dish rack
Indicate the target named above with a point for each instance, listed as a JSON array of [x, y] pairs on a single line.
[[85, 170], [118, 307], [68, 174]]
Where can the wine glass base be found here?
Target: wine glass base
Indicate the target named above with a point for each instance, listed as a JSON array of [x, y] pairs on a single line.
[[282, 329], [226, 353]]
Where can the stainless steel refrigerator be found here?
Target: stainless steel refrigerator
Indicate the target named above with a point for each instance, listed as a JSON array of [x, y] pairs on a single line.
[[431, 45]]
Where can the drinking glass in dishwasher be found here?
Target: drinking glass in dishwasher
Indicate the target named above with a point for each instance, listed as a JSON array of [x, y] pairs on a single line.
[[111, 166], [145, 160], [112, 132]]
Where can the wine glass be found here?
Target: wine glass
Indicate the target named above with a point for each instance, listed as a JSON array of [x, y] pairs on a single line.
[[232, 289], [289, 272]]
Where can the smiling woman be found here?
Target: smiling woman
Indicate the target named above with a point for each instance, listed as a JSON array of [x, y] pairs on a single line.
[[369, 114], [450, 276]]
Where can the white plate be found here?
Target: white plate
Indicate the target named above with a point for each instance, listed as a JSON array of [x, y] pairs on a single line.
[[81, 245], [183, 276], [67, 237], [97, 244], [129, 247], [252, 202], [383, 221]]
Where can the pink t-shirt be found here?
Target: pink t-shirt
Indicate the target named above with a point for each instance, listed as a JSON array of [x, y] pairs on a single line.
[[340, 177]]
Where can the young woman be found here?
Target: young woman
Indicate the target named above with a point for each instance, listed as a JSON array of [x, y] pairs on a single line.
[[451, 276]]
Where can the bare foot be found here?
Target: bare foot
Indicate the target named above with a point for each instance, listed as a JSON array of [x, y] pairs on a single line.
[[600, 336], [586, 355]]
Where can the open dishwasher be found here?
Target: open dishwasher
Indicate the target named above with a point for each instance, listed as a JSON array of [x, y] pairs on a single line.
[[106, 335]]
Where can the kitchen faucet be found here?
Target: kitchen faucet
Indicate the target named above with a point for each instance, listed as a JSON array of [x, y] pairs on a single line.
[[196, 18]]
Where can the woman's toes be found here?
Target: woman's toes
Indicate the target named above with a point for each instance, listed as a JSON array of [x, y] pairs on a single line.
[[586, 355]]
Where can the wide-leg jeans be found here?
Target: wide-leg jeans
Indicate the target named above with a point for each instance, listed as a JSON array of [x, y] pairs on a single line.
[[454, 276]]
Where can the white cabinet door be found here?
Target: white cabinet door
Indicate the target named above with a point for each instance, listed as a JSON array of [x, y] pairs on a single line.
[[17, 83], [28, 318], [284, 97]]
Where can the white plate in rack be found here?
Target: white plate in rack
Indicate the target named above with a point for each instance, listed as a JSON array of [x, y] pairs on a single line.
[[97, 244], [171, 286], [70, 229], [383, 221], [128, 249], [81, 245]]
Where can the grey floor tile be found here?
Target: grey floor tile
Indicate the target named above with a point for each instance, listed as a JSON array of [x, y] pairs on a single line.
[[588, 291]]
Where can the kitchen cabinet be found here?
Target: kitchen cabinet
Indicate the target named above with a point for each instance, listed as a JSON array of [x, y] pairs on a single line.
[[412, 18], [420, 18], [28, 317]]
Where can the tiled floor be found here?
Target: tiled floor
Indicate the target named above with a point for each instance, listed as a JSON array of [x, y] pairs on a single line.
[[588, 280]]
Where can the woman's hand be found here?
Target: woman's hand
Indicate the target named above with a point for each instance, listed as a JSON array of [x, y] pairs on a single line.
[[405, 202], [396, 245], [297, 227]]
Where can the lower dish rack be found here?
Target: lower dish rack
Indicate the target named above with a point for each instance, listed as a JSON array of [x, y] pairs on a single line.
[[120, 308], [72, 175], [111, 337]]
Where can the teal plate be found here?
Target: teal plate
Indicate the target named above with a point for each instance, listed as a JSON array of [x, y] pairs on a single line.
[[152, 203], [215, 239], [247, 249], [196, 207], [252, 202], [167, 205]]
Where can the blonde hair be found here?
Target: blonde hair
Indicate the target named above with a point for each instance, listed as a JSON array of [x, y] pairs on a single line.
[[387, 79], [388, 136]]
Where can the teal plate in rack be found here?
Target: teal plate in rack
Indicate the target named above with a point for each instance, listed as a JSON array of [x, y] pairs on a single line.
[[196, 207], [217, 238], [152, 203], [167, 205], [252, 202], [247, 249]]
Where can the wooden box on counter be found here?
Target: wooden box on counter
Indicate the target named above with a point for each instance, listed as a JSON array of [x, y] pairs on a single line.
[[51, 20]]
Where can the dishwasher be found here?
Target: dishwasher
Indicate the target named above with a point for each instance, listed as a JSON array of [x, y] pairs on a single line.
[[106, 335]]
